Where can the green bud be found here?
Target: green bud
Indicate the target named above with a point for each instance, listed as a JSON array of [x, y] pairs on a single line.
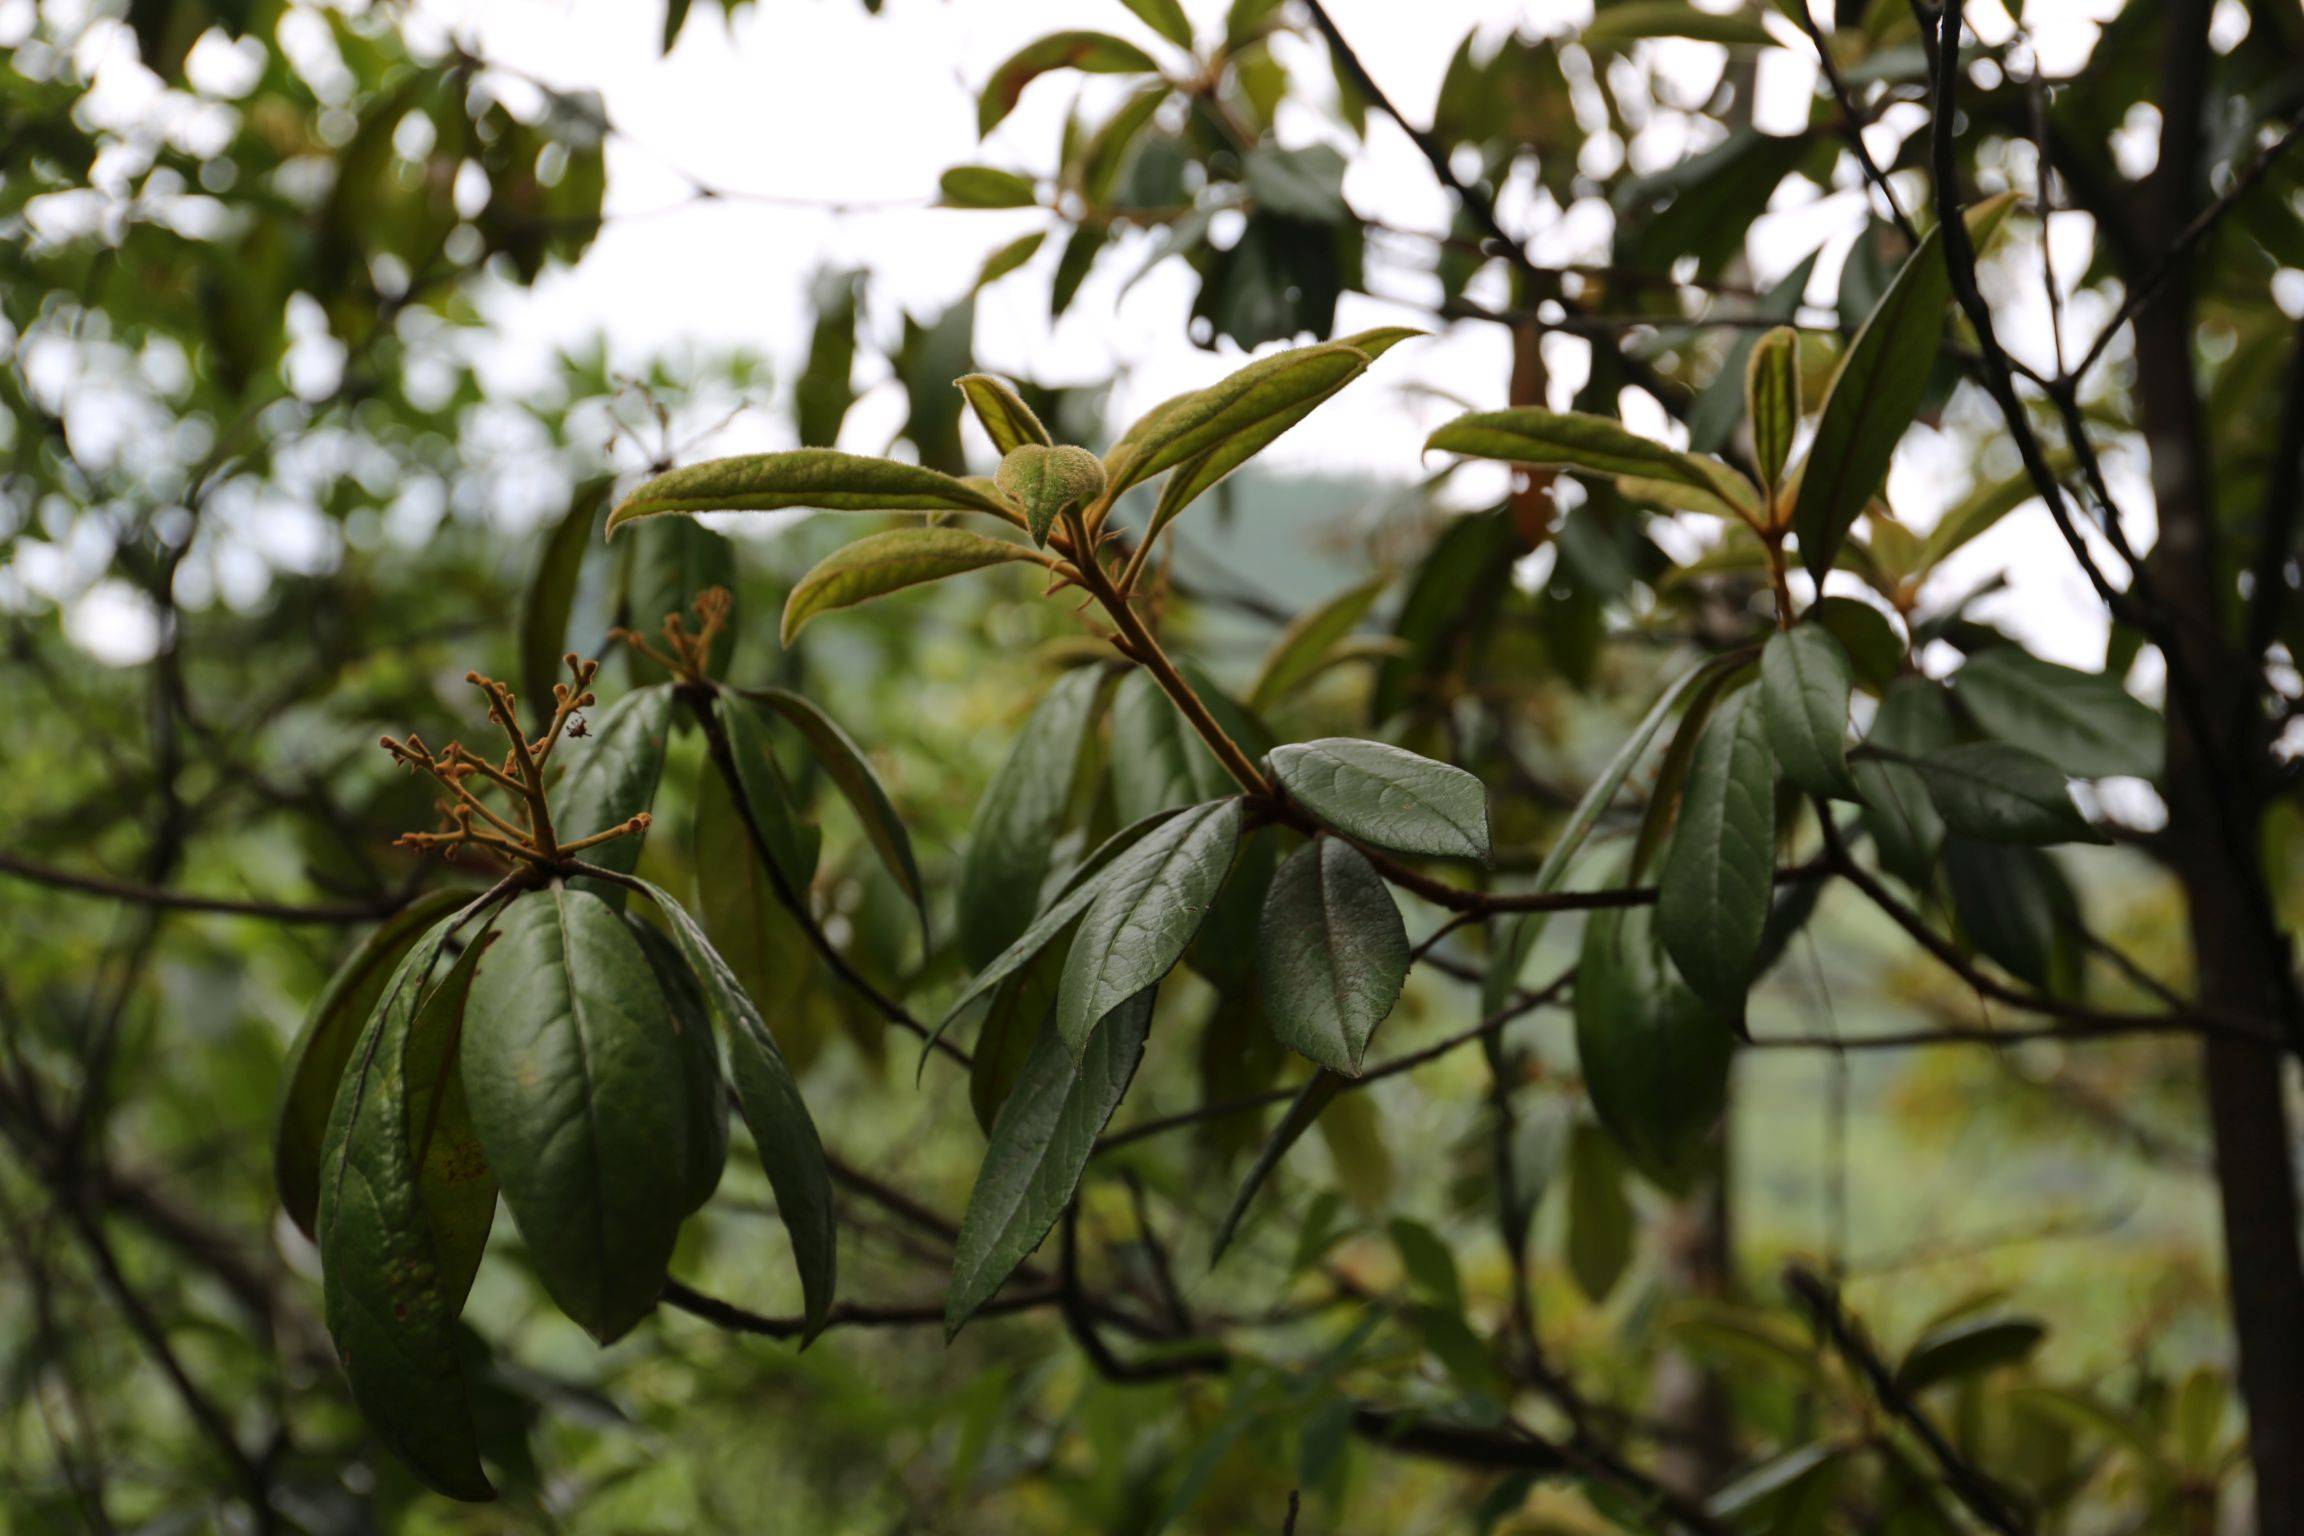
[[1045, 482]]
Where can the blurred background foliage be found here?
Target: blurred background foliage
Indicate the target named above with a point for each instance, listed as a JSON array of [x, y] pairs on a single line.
[[257, 506]]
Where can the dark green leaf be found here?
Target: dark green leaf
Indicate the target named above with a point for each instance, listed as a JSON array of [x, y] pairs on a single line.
[[1145, 914], [773, 1110], [1996, 793], [881, 563], [581, 1096], [1090, 52], [1012, 836], [845, 764], [551, 594], [611, 777], [1332, 953], [2083, 722], [1654, 1054], [398, 1245], [822, 478], [1718, 879], [1968, 1348], [1875, 650], [1600, 1230], [1040, 1145], [1159, 762], [1913, 721], [767, 799], [689, 1022], [1383, 795], [1805, 681], [316, 1060], [2015, 907], [1020, 1006]]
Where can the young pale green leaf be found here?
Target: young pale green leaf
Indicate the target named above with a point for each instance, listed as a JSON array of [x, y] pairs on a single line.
[[1040, 1145], [1158, 761], [824, 479], [1595, 444], [1006, 419], [1095, 53], [316, 1060], [1772, 400], [985, 186], [1245, 403], [1048, 482], [1600, 1219], [845, 764], [1720, 876], [393, 1280], [1012, 836], [782, 1130], [767, 800], [1197, 475], [2083, 722], [1304, 648], [551, 593], [1165, 17], [1095, 874], [581, 1095], [1914, 720], [1519, 938], [1997, 793], [1331, 953], [1387, 796], [1319, 1091], [685, 1016], [1805, 683], [611, 777], [1010, 258], [881, 563], [1654, 1054], [1137, 928]]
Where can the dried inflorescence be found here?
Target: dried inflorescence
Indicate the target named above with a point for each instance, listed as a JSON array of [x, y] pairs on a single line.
[[690, 651], [526, 835]]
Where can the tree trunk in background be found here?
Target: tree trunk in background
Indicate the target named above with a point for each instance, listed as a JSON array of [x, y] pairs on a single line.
[[2215, 799]]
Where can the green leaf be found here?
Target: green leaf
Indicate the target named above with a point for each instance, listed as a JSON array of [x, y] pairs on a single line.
[[1140, 922], [782, 1130], [986, 186], [1511, 953], [1654, 1054], [1095, 53], [580, 1093], [1010, 257], [1997, 793], [846, 765], [826, 387], [1720, 876], [2014, 906], [824, 479], [1620, 26], [1875, 650], [1772, 399], [1318, 1092], [1716, 411], [663, 572], [1600, 1229], [1048, 482], [881, 563], [1913, 721], [1246, 403], [1006, 419], [1195, 476], [611, 776], [1873, 398], [1305, 645], [2083, 722], [1158, 761], [749, 924], [316, 1061], [766, 799], [706, 1149], [1165, 17], [1386, 796], [551, 593], [1805, 681], [1597, 445], [1012, 836], [397, 1247], [1020, 1006], [1331, 953], [1040, 1145], [1967, 1348]]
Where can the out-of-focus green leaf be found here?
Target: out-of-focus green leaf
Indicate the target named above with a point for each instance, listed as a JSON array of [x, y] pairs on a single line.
[[1600, 1230], [1580, 441], [1096, 53], [551, 595], [1655, 1056], [986, 186], [1997, 793], [2083, 722], [846, 765], [1772, 400], [1968, 1348]]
